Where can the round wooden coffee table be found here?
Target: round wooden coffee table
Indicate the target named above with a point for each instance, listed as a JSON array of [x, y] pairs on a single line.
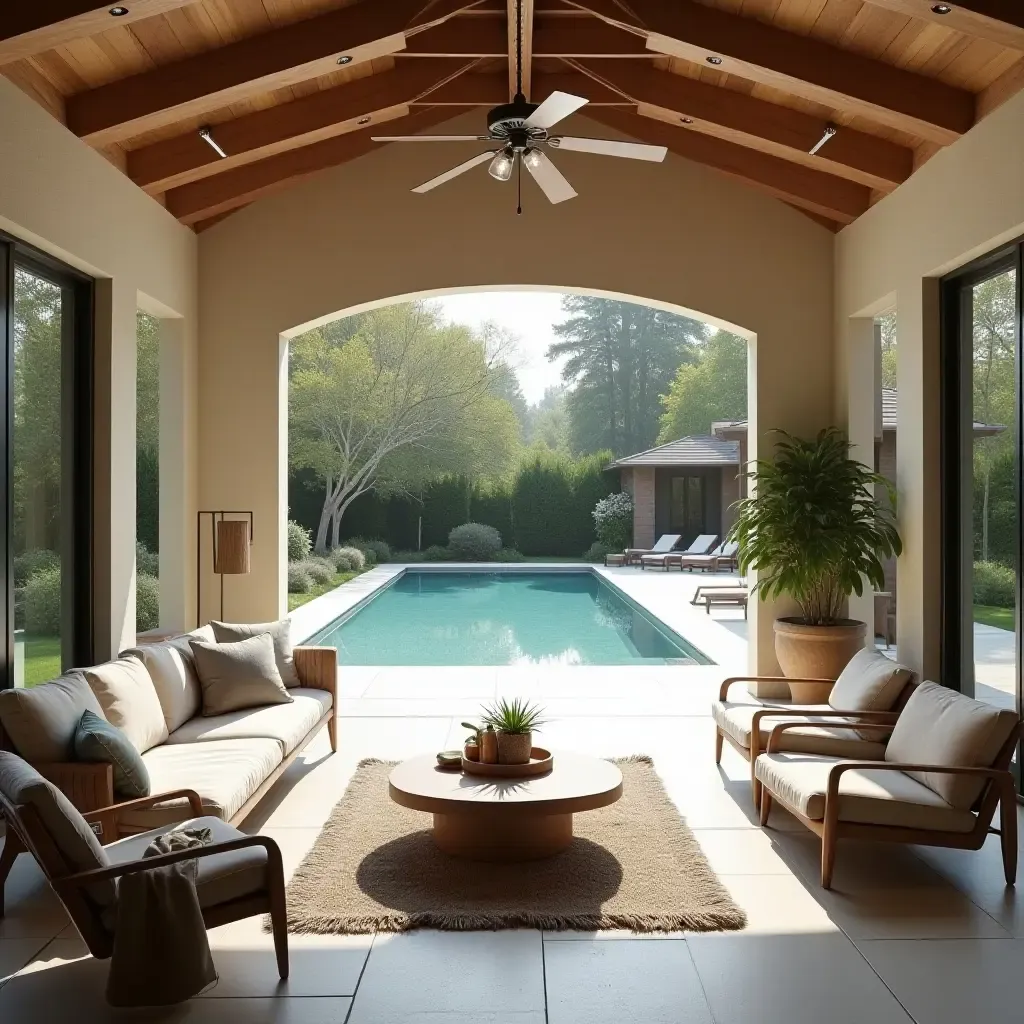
[[505, 819]]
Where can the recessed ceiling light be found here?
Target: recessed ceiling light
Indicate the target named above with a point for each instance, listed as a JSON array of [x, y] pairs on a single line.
[[363, 120], [714, 60], [118, 12], [345, 60], [941, 9], [686, 120], [207, 137]]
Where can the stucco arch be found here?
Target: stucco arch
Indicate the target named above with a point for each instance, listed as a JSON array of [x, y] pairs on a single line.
[[676, 234]]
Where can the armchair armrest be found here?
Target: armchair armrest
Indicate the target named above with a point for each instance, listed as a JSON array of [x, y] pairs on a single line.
[[723, 690], [88, 786], [317, 668], [107, 817], [775, 740], [884, 720]]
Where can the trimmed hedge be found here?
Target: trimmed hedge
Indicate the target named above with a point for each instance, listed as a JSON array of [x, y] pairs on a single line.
[[994, 584]]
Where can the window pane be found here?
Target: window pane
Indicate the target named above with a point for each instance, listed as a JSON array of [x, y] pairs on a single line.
[[38, 325]]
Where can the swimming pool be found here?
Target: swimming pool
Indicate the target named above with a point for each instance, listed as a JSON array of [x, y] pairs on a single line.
[[443, 617]]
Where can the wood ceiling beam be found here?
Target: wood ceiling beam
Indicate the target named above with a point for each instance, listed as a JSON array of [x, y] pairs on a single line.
[[520, 16], [834, 198], [552, 37], [276, 59], [998, 21], [28, 27], [205, 199], [805, 67], [491, 89], [743, 119], [367, 101]]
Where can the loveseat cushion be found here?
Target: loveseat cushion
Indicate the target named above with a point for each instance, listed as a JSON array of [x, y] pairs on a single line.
[[870, 682], [41, 720], [289, 724], [873, 798], [736, 721], [221, 878], [942, 727], [225, 774], [172, 669], [125, 691], [280, 632]]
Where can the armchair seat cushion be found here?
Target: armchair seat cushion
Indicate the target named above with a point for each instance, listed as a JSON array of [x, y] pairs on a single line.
[[288, 724], [736, 721], [221, 878], [872, 798], [225, 774]]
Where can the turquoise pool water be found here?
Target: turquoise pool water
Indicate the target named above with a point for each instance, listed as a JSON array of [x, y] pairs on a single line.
[[503, 618]]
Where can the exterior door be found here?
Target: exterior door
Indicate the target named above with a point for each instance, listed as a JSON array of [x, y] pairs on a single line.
[[687, 507]]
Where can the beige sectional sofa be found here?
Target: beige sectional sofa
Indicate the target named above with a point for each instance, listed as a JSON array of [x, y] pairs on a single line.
[[153, 695]]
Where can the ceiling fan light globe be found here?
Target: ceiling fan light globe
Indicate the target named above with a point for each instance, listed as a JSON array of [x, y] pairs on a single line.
[[501, 166], [532, 158]]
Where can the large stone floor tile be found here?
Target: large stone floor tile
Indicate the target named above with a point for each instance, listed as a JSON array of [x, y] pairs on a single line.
[[458, 976], [741, 851], [31, 908], [610, 982], [16, 953], [775, 905], [952, 981], [435, 681], [791, 979]]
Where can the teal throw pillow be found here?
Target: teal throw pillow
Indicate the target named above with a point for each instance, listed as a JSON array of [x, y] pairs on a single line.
[[99, 742]]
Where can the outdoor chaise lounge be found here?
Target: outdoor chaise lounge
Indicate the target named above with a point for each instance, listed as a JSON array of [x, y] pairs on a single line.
[[936, 783], [720, 558], [665, 543], [721, 594], [702, 545]]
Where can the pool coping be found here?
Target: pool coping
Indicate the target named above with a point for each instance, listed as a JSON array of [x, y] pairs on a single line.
[[718, 644]]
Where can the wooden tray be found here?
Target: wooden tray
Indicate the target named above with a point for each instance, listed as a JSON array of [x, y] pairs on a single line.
[[541, 762]]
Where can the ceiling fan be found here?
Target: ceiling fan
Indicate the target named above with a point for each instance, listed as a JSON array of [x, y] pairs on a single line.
[[522, 131]]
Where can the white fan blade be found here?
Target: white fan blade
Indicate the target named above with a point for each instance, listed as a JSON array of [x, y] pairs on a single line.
[[466, 165], [551, 180], [430, 138], [554, 108], [606, 147]]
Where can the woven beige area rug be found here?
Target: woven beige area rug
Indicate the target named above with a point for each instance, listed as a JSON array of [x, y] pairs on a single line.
[[633, 865]]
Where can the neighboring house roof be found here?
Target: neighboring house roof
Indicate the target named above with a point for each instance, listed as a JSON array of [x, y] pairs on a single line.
[[686, 451], [889, 405]]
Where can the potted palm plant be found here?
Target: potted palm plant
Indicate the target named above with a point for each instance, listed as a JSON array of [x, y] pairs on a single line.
[[514, 721], [814, 530]]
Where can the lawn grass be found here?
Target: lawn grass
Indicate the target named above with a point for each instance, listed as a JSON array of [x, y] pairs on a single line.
[[988, 614], [298, 600], [42, 659]]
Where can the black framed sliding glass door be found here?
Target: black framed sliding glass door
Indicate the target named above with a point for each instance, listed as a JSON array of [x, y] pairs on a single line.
[[46, 324], [981, 473]]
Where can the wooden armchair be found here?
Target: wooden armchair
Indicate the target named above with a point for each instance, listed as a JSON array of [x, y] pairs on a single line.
[[239, 875], [947, 797]]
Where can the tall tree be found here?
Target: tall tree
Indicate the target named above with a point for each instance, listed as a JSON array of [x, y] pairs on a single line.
[[713, 388], [620, 357], [548, 421], [147, 431], [399, 401]]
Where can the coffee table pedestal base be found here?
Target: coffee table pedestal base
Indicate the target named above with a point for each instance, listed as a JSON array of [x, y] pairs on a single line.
[[476, 835]]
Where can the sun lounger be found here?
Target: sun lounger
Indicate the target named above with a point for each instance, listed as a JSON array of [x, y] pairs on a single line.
[[665, 543], [723, 557], [702, 545], [733, 594]]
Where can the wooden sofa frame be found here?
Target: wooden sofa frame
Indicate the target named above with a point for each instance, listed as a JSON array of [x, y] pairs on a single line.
[[999, 790], [90, 787]]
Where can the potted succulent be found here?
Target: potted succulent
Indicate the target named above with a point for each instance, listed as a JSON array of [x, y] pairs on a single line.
[[514, 721], [814, 530]]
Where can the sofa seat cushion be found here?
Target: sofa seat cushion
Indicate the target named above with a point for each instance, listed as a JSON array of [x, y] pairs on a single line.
[[221, 878], [865, 796], [736, 721], [128, 697], [41, 720], [288, 724], [225, 774]]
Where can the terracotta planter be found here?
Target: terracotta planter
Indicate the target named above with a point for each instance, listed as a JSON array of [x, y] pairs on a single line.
[[514, 748], [817, 652]]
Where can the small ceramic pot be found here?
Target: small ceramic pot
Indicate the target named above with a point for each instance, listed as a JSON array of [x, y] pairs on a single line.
[[514, 748], [472, 752]]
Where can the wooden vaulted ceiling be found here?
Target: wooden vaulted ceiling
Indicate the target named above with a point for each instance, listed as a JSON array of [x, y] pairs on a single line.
[[288, 87]]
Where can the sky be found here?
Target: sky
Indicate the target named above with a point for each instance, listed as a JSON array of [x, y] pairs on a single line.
[[529, 315]]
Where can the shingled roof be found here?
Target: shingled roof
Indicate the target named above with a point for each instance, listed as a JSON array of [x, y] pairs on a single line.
[[702, 450]]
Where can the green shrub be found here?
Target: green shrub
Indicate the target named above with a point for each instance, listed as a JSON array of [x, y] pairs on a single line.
[[408, 556], [436, 553], [42, 602], [509, 555], [348, 559], [597, 551], [474, 542], [380, 549], [147, 562], [613, 518], [300, 541], [320, 570], [446, 503], [147, 601], [28, 563], [369, 555], [299, 580], [994, 584]]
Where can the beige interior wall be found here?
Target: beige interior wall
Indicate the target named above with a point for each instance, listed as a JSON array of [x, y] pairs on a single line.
[[676, 233], [64, 198], [964, 202]]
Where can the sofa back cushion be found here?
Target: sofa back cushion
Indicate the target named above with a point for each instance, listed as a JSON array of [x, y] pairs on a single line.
[[126, 694], [280, 632], [870, 682], [171, 667], [239, 675], [41, 721], [942, 727]]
